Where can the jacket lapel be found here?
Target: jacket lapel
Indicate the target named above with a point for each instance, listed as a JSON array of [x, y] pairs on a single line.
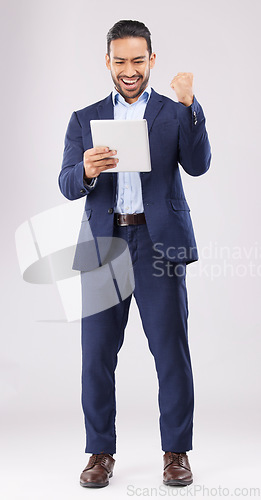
[[105, 109], [153, 108], [155, 103]]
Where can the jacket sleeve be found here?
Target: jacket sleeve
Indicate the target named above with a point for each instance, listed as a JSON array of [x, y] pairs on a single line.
[[71, 180], [194, 147]]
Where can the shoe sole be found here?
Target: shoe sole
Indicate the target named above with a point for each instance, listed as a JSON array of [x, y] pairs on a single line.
[[95, 485], [178, 482]]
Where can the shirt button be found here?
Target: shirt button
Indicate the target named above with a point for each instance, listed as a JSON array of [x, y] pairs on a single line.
[[82, 191], [127, 208], [110, 211]]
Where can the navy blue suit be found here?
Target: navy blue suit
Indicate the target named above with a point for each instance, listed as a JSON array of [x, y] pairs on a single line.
[[177, 134]]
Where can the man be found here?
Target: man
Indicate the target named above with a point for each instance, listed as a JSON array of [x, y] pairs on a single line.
[[149, 211]]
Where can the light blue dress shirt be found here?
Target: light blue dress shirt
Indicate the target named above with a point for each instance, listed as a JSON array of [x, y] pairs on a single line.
[[129, 192]]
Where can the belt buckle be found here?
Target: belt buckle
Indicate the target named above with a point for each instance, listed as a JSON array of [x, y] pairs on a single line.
[[121, 223]]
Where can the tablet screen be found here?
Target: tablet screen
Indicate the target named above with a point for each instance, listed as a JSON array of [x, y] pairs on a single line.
[[129, 138]]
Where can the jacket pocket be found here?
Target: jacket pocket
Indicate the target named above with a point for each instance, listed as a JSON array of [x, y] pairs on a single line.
[[87, 214], [179, 205]]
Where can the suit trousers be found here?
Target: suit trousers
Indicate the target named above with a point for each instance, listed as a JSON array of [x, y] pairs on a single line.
[[161, 295]]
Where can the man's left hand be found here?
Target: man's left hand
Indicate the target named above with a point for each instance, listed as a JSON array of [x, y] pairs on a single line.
[[182, 83]]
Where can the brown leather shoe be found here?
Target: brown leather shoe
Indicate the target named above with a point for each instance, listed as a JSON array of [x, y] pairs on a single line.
[[177, 470], [98, 470]]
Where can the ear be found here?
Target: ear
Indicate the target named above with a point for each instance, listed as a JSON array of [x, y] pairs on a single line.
[[107, 60], [152, 60]]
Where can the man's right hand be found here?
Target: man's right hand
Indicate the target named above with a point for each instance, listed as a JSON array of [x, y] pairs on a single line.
[[95, 160]]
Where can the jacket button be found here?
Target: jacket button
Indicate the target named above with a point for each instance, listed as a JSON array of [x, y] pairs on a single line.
[[82, 191], [110, 211]]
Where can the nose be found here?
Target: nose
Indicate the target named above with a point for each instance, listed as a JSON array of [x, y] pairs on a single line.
[[129, 70]]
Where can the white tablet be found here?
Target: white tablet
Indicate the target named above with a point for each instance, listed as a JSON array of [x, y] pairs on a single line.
[[129, 138]]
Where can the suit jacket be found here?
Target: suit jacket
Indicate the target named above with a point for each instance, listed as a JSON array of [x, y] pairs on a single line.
[[177, 135]]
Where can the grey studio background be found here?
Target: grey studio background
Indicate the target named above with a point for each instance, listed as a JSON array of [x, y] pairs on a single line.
[[53, 63]]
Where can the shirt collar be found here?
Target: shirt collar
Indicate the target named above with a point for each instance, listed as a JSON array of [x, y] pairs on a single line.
[[117, 97]]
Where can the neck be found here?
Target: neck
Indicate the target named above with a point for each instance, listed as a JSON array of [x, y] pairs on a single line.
[[131, 100]]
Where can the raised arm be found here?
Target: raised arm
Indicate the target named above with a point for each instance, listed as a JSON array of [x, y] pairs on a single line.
[[194, 147]]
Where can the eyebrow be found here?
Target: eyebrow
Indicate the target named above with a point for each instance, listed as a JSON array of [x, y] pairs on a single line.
[[134, 59]]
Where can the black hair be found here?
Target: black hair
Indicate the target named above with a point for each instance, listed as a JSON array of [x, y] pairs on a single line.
[[127, 29]]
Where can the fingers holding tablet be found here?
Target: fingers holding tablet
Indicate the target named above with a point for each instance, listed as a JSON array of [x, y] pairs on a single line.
[[97, 159]]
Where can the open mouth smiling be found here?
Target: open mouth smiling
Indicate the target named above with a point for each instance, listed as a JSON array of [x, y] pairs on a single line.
[[130, 83]]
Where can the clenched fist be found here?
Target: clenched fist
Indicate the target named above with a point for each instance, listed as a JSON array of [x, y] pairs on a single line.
[[182, 83]]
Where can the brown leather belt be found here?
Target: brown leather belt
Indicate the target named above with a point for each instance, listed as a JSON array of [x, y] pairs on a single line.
[[129, 219]]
